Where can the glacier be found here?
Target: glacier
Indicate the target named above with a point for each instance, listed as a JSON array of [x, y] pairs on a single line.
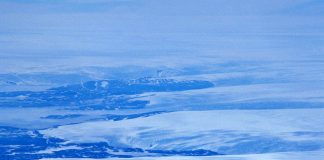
[[162, 117], [161, 80]]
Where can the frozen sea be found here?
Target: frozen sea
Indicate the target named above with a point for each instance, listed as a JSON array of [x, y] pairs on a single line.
[[161, 80]]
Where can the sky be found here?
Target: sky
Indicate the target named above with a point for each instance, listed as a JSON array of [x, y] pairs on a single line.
[[143, 32]]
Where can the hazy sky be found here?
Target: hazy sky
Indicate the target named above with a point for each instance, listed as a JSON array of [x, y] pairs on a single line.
[[220, 30]]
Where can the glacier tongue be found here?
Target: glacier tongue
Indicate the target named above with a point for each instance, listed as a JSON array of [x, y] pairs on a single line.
[[223, 131]]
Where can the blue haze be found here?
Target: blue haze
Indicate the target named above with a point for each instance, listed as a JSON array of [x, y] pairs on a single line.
[[74, 71]]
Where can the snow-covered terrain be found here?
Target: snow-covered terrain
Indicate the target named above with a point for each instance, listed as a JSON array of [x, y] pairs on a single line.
[[272, 156], [161, 80], [225, 131]]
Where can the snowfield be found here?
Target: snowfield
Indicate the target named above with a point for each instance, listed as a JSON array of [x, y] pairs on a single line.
[[223, 131], [317, 155]]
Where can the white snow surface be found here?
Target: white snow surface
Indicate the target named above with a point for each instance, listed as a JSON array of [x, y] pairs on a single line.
[[317, 155], [210, 130]]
